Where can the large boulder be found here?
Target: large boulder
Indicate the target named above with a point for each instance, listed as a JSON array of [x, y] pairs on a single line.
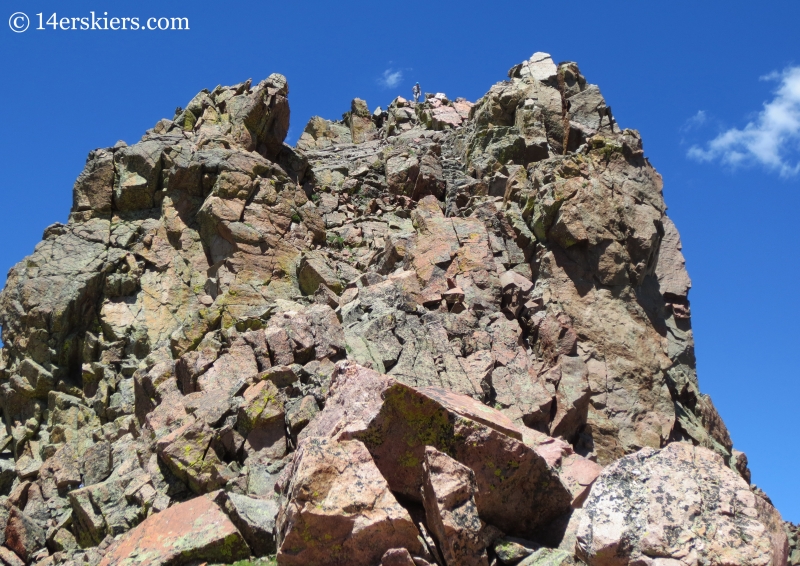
[[398, 423], [93, 187], [508, 473], [337, 507], [139, 170], [102, 509], [255, 519], [261, 420], [299, 336], [361, 126], [260, 117], [195, 531], [448, 493], [315, 270], [23, 534], [681, 503], [190, 452]]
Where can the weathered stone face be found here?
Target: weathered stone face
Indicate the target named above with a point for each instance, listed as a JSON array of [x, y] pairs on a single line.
[[339, 508], [421, 332], [195, 530], [680, 503], [403, 428], [449, 495]]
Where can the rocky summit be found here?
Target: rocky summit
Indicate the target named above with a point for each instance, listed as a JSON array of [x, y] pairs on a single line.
[[440, 333]]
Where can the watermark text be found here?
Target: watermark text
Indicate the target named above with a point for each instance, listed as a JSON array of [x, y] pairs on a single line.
[[94, 21]]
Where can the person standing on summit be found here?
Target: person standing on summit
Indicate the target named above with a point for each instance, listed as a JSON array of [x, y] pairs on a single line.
[[416, 91]]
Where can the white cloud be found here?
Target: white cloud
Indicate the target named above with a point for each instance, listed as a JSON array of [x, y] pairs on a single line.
[[772, 139], [390, 78], [695, 121]]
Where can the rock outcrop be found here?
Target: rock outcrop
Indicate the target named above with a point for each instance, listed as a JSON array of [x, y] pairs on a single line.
[[442, 333]]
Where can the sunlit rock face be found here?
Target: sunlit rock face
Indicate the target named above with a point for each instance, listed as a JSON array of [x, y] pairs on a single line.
[[442, 332]]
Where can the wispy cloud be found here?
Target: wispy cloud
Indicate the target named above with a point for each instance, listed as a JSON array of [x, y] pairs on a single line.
[[695, 121], [390, 78], [772, 139]]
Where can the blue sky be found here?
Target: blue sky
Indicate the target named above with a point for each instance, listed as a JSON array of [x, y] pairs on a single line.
[[711, 86]]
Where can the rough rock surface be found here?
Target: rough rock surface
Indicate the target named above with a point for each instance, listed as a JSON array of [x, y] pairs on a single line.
[[449, 496], [195, 530], [401, 425], [340, 508], [681, 504], [222, 315], [794, 545]]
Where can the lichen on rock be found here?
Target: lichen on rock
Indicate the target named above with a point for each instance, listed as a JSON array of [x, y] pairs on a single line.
[[417, 337]]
